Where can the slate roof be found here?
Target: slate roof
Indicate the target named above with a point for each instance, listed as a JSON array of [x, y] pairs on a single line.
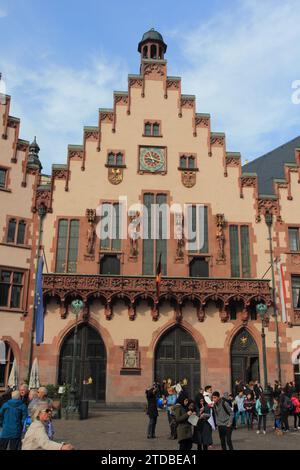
[[271, 165]]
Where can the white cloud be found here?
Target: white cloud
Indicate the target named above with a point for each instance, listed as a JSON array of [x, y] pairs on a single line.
[[241, 65], [55, 102]]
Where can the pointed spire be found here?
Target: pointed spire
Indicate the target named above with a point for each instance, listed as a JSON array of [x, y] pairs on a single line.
[[33, 156]]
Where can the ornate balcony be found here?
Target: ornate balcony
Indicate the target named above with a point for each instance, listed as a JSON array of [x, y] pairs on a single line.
[[132, 289]]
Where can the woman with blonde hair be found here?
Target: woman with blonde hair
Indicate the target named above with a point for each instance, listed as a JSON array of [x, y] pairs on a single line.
[[36, 437]]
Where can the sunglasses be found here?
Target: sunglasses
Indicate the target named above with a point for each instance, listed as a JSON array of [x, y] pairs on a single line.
[[48, 410]]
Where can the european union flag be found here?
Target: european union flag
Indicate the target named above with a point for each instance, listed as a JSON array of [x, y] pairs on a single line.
[[38, 304]]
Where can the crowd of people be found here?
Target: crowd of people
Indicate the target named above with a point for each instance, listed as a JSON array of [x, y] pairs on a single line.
[[26, 421], [192, 421]]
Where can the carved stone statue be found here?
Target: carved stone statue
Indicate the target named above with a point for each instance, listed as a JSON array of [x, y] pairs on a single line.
[[179, 235], [91, 234], [220, 221], [134, 234]]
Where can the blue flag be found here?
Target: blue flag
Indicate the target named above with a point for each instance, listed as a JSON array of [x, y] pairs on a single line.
[[38, 304]]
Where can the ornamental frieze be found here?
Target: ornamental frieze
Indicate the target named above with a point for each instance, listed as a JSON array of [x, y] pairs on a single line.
[[22, 146], [60, 174], [154, 69], [173, 84], [231, 161], [202, 121], [91, 135], [268, 205], [75, 154], [248, 181], [121, 99], [135, 82], [12, 123], [106, 117], [217, 140], [131, 289], [187, 103]]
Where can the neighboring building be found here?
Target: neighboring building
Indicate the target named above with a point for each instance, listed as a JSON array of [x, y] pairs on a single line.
[[19, 170], [152, 147]]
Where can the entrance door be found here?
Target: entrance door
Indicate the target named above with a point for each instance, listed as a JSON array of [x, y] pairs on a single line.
[[177, 357], [90, 362], [244, 358]]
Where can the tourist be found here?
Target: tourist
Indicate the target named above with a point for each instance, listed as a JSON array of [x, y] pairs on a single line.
[[42, 396], [203, 431], [12, 416], [36, 437], [240, 400], [152, 395], [296, 412], [33, 399], [285, 407], [258, 389], [170, 402], [249, 405], [262, 408], [224, 418], [277, 416], [207, 395], [24, 392], [184, 427]]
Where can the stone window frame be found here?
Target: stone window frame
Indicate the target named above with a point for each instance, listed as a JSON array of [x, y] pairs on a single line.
[[188, 156], [152, 123], [115, 154], [6, 169], [18, 220], [69, 220], [24, 285]]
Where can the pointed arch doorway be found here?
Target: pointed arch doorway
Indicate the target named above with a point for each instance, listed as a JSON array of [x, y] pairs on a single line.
[[90, 362], [244, 358], [177, 357]]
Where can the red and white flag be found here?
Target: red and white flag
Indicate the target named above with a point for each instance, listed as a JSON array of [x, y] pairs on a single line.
[[282, 290]]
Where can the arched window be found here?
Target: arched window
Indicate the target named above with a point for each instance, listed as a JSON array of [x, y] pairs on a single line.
[[148, 128], [182, 162], [119, 159], [7, 366], [111, 159], [11, 232], [153, 51], [191, 162], [156, 129], [21, 233], [145, 52]]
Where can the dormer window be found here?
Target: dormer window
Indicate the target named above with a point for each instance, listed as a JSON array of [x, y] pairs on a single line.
[[152, 129], [115, 159]]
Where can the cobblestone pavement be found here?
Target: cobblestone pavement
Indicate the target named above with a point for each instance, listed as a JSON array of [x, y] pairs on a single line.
[[120, 430]]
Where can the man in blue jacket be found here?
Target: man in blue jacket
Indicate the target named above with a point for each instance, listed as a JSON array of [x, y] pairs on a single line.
[[12, 416]]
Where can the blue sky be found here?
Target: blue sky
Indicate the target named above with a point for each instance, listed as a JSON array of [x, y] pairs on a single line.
[[61, 61]]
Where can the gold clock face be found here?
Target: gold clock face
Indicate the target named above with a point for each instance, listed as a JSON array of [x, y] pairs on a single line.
[[152, 159]]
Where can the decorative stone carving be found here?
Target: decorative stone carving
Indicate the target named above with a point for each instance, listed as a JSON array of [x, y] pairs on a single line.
[[91, 234], [134, 225], [173, 84], [232, 161], [131, 355], [91, 135], [135, 82], [106, 116], [178, 235], [217, 140], [201, 313], [248, 181], [188, 178], [75, 154], [268, 205], [43, 198], [154, 69], [121, 99], [135, 288], [201, 121], [188, 103], [60, 174], [220, 221], [115, 175]]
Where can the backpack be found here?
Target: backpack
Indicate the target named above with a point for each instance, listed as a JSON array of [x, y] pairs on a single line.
[[264, 409]]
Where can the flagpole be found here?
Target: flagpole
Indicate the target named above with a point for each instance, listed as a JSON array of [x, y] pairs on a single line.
[[42, 210]]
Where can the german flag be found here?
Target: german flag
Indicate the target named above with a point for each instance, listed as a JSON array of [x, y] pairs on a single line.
[[158, 276]]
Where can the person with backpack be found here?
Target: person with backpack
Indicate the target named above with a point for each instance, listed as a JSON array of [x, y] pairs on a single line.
[[262, 408], [277, 416], [240, 400], [286, 406], [224, 418], [296, 412], [183, 411], [249, 405], [12, 416], [170, 402]]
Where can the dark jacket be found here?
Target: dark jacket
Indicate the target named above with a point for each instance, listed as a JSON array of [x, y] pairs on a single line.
[[223, 413], [184, 428], [203, 431], [12, 416], [151, 403]]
